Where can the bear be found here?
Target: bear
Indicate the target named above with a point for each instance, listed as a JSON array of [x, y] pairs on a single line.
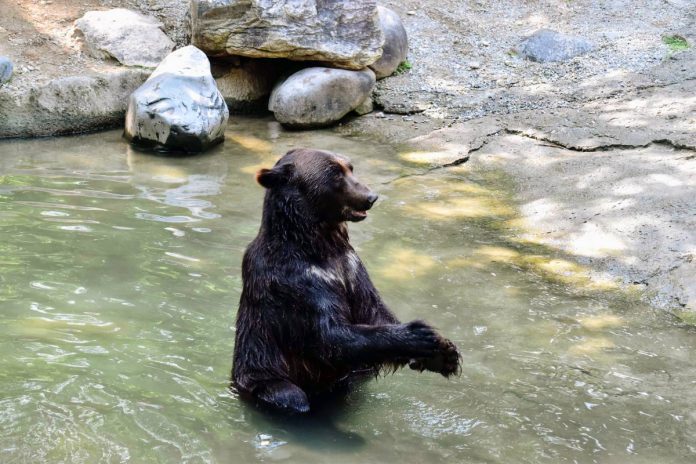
[[310, 321]]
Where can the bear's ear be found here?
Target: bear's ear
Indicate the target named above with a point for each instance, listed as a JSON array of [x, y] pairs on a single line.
[[275, 177]]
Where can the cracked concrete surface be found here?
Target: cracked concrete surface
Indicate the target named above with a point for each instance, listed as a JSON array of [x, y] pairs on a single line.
[[628, 213]]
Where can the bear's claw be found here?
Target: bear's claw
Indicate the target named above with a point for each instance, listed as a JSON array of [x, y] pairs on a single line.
[[445, 361]]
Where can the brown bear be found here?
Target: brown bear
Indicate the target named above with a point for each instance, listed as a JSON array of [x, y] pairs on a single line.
[[310, 321]]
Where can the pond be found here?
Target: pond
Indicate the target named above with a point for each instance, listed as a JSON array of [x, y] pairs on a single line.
[[120, 281]]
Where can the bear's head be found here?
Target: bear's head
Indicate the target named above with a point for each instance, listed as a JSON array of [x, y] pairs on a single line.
[[324, 181]]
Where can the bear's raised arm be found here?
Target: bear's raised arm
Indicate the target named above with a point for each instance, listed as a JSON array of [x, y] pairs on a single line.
[[340, 342]]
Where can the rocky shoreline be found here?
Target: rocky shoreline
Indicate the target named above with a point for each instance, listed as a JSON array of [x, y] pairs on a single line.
[[316, 59], [601, 144]]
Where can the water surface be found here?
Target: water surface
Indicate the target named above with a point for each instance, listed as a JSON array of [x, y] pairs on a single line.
[[120, 276]]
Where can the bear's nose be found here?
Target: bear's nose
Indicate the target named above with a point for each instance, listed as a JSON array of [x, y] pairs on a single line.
[[372, 198]]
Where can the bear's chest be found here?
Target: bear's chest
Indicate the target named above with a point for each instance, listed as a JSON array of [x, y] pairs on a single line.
[[339, 273]]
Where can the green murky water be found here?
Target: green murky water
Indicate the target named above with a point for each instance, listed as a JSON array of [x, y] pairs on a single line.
[[119, 283]]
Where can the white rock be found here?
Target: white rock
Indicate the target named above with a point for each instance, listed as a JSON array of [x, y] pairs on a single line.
[[125, 35], [179, 108]]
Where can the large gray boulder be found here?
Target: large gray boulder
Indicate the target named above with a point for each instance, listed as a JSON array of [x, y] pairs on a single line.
[[5, 69], [179, 108], [343, 33], [125, 35], [547, 45], [317, 97], [395, 48], [69, 105]]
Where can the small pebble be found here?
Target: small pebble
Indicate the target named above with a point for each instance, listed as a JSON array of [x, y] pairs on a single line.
[[411, 12], [474, 65]]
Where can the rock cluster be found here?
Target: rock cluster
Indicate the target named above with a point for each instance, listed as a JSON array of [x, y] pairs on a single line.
[[252, 43], [310, 62], [353, 43]]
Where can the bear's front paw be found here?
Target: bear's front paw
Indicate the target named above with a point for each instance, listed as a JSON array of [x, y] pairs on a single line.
[[422, 339], [450, 358], [445, 361]]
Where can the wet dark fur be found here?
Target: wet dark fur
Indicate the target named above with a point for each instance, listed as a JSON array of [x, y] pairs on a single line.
[[310, 320]]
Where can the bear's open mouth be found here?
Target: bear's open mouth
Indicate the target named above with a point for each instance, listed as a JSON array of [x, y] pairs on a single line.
[[355, 215]]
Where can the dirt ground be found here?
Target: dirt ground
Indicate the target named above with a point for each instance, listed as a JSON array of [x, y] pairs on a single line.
[[39, 36]]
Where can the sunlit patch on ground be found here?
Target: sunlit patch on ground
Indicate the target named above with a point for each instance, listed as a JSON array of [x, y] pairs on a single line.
[[557, 269], [405, 263], [448, 197], [254, 168], [435, 157], [46, 327], [140, 164], [598, 322], [460, 208], [250, 142], [463, 262], [498, 253], [591, 346]]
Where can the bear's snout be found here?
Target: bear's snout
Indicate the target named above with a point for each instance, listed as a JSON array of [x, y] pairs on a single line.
[[363, 198]]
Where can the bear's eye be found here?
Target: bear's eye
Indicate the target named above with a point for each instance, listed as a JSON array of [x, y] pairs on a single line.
[[337, 172]]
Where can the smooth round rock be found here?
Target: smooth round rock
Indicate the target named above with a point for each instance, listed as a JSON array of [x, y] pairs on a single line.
[[318, 97], [125, 35], [179, 108], [395, 48], [546, 45], [6, 69]]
